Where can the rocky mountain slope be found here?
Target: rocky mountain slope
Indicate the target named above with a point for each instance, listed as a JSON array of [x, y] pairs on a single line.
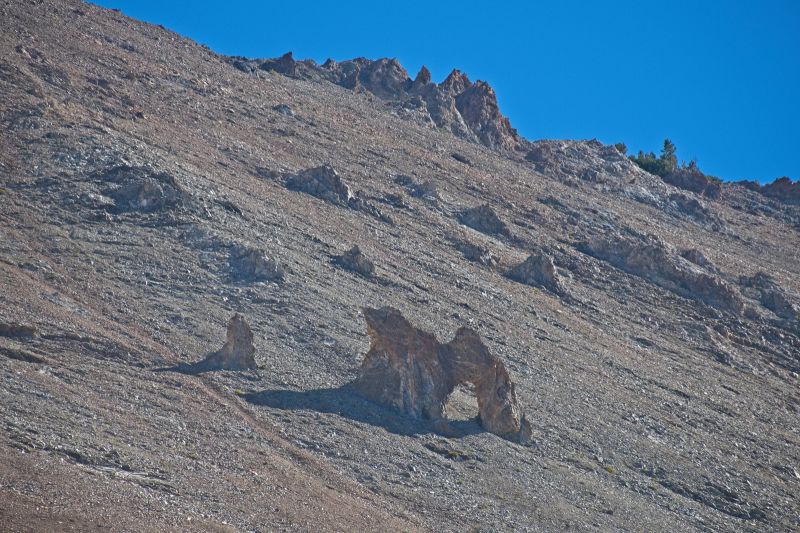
[[151, 189]]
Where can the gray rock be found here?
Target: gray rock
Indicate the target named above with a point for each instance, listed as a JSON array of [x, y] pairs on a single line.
[[484, 219]]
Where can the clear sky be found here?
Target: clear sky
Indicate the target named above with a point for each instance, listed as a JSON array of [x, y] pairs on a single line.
[[719, 78]]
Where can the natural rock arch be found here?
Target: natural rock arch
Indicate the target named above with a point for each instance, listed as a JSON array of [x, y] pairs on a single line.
[[409, 369]]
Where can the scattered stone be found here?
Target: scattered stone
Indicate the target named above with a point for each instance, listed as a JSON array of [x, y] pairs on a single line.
[[538, 270], [484, 219], [408, 369], [238, 352], [17, 330], [355, 261], [322, 182], [252, 264]]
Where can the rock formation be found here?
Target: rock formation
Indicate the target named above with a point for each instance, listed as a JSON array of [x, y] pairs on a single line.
[[782, 189], [251, 264], [467, 109], [692, 179], [651, 259], [538, 270], [484, 219], [238, 352], [355, 261], [142, 189], [323, 182], [408, 369], [762, 287]]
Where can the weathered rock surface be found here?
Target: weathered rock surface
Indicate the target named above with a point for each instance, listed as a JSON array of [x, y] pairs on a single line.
[[692, 179], [408, 369], [648, 257], [355, 261], [467, 109], [17, 330], [252, 264], [484, 219], [782, 189], [475, 253], [322, 182], [538, 270], [762, 287], [142, 189], [238, 352]]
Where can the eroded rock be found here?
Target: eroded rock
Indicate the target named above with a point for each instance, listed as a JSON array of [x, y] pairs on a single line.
[[692, 179], [410, 370], [651, 259], [469, 110], [142, 189], [766, 290], [322, 182], [355, 261], [252, 264], [238, 352], [484, 219], [538, 270], [17, 330]]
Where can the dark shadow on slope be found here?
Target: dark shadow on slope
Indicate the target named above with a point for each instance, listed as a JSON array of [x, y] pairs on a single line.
[[343, 401]]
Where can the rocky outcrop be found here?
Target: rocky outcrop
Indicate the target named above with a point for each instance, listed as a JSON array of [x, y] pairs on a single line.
[[355, 261], [764, 288], [238, 352], [538, 270], [322, 182], [590, 161], [692, 179], [325, 183], [649, 258], [484, 219], [142, 189], [467, 109], [782, 189], [408, 369], [252, 264], [475, 253], [18, 330]]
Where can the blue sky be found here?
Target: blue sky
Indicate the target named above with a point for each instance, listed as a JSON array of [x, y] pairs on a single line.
[[719, 78]]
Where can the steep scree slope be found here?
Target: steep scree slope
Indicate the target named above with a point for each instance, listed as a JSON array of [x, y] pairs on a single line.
[[145, 198]]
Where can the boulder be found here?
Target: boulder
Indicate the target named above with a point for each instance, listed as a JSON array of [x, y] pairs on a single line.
[[355, 261], [538, 270], [322, 182], [238, 352], [252, 264], [410, 370], [484, 219]]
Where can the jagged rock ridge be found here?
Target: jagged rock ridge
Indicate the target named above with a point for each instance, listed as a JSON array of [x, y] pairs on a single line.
[[467, 109]]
